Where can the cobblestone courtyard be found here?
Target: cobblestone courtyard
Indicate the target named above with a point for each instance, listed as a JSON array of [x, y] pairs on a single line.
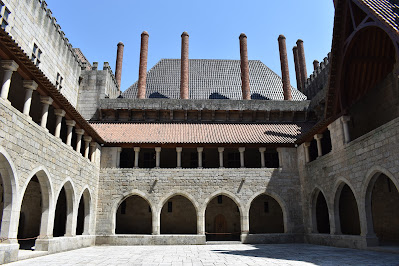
[[234, 254]]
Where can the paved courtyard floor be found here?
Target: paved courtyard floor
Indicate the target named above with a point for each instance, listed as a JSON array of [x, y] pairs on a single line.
[[233, 254]]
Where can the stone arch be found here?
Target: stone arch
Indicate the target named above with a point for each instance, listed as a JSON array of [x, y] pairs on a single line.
[[319, 212], [278, 199], [83, 225], [182, 221], [344, 224], [42, 227], [381, 205], [70, 198], [9, 210], [216, 226], [124, 197]]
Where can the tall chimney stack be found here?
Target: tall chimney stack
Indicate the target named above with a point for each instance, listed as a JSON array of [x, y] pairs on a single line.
[[184, 72], [302, 61], [297, 69], [142, 83], [246, 95], [118, 65], [285, 74], [316, 64]]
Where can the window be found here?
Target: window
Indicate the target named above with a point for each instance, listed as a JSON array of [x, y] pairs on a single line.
[[220, 199], [58, 82], [149, 159], [194, 160], [123, 207], [233, 160], [271, 158], [266, 207], [36, 54], [4, 15], [169, 206]]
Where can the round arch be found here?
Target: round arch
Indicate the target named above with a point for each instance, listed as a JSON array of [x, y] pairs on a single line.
[[70, 199], [83, 225], [319, 212]]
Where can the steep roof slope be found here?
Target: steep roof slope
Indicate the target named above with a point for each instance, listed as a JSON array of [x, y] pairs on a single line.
[[386, 10], [212, 79]]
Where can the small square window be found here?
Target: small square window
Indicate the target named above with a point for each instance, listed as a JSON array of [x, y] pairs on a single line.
[[220, 199], [170, 206], [36, 53], [58, 82]]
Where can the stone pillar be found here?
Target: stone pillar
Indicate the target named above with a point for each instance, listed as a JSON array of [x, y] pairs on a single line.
[[345, 127], [178, 152], [302, 61], [118, 65], [156, 222], [285, 73], [46, 101], [184, 72], [318, 138], [93, 147], [242, 160], [306, 145], [157, 157], [59, 113], [70, 124], [9, 67], [200, 224], [246, 94], [316, 64], [79, 133], [118, 157], [262, 157], [136, 156], [30, 86], [221, 150], [297, 69], [244, 224], [200, 150], [141, 85], [87, 140]]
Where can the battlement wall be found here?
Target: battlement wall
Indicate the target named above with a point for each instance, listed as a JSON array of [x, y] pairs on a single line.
[[31, 23], [318, 79]]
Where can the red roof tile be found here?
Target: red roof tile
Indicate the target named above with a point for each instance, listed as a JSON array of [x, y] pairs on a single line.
[[273, 133]]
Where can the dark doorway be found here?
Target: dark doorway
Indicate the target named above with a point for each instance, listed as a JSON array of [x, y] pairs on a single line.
[[322, 217], [134, 216], [178, 216], [60, 218], [265, 216], [348, 212]]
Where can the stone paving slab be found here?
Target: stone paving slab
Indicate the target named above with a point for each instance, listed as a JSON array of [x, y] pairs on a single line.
[[234, 254]]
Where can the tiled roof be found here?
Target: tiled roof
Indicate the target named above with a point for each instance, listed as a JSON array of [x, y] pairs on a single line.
[[386, 10], [212, 79], [206, 133]]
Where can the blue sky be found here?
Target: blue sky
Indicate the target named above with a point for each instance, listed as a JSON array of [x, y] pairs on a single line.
[[96, 26]]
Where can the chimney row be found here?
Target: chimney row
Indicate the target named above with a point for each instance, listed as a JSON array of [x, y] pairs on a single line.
[[297, 69], [285, 74], [142, 83], [246, 95], [302, 61], [118, 65], [184, 72]]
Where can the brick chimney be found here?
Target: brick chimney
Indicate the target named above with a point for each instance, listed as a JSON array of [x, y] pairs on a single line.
[[316, 64], [285, 74], [142, 83], [302, 61], [246, 95], [118, 65], [297, 69], [184, 72]]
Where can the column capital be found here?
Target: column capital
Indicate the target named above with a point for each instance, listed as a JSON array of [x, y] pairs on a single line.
[[93, 144], [179, 149], [157, 149], [345, 118], [87, 138], [262, 149], [30, 84], [221, 149], [70, 123], [318, 136], [59, 112], [119, 149], [46, 100], [241, 149], [306, 144], [136, 149], [9, 65], [79, 131], [200, 149]]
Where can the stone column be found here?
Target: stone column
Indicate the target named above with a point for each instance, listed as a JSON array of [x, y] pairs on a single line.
[[79, 133], [200, 150], [246, 94], [93, 148], [178, 152], [345, 126], [70, 124], [184, 70], [318, 138], [87, 140], [306, 145], [200, 224], [221, 150], [136, 156], [9, 67], [262, 157], [285, 73], [242, 160], [141, 84], [118, 157], [59, 113], [156, 222], [244, 224], [157, 157], [46, 101], [29, 86]]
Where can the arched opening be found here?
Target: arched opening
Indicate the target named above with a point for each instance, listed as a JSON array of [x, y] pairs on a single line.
[[83, 220], [178, 216], [222, 219], [265, 216], [134, 216], [348, 212], [321, 216], [382, 201], [64, 212]]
